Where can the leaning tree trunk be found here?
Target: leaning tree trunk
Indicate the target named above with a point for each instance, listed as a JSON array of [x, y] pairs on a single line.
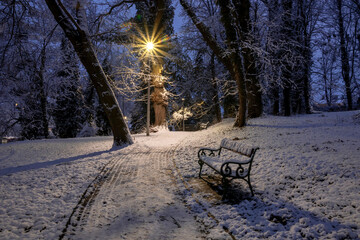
[[79, 37]]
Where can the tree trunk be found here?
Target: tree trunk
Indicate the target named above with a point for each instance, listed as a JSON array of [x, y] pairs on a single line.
[[307, 91], [45, 122], [287, 69], [344, 56], [287, 95], [159, 96], [241, 116], [307, 57], [275, 99], [306, 80], [253, 90], [236, 69], [216, 107], [80, 39]]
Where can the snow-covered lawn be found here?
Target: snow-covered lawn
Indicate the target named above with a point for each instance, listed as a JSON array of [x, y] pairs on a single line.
[[41, 182], [305, 177]]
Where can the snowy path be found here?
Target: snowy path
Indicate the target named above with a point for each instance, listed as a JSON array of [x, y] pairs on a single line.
[[137, 200]]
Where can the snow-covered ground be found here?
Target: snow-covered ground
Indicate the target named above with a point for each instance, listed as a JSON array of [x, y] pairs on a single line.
[[305, 177]]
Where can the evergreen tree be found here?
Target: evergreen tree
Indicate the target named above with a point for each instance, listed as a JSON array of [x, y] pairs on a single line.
[[68, 112], [31, 115]]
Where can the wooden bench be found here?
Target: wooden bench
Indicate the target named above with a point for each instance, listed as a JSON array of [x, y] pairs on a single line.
[[236, 166]]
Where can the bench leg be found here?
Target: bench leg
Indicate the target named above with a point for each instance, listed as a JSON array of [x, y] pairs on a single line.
[[201, 163], [251, 189]]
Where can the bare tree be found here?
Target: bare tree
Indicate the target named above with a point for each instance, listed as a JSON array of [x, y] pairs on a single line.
[[77, 32], [23, 68], [232, 57]]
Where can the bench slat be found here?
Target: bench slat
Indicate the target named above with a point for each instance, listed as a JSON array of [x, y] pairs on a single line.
[[237, 147]]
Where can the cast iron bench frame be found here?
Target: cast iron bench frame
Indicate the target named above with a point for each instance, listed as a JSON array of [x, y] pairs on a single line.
[[230, 169]]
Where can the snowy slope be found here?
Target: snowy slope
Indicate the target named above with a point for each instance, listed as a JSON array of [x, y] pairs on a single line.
[[305, 177]]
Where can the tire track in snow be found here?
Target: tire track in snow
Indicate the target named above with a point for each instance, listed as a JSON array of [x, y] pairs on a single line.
[[109, 185], [137, 200], [87, 197]]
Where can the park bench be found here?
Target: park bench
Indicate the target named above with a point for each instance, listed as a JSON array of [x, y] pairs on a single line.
[[203, 125], [233, 166]]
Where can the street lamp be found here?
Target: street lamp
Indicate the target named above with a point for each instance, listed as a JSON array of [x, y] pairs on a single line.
[[183, 113], [149, 48]]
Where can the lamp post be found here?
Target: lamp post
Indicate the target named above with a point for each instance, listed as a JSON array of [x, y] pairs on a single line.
[[183, 114], [149, 48]]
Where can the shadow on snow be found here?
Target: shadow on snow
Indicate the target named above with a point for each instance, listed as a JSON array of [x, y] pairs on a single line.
[[267, 216], [39, 165]]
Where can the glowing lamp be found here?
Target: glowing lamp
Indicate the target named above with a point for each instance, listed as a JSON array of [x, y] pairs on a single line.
[[149, 46]]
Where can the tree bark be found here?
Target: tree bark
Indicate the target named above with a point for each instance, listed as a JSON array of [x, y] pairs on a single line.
[[307, 57], [344, 56], [43, 101], [287, 33], [159, 96], [275, 98], [253, 90], [235, 58], [216, 107], [273, 8], [306, 80], [80, 39]]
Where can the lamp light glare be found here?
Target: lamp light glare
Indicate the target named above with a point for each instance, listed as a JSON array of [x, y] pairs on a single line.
[[149, 46]]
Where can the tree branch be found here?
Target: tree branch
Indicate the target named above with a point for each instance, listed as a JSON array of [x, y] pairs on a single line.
[[69, 15], [101, 16], [207, 36]]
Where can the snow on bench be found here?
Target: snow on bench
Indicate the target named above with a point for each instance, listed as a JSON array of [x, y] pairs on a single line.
[[234, 167], [203, 125]]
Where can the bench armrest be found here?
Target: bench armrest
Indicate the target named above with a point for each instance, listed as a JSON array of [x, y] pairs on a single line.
[[208, 152], [234, 169]]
